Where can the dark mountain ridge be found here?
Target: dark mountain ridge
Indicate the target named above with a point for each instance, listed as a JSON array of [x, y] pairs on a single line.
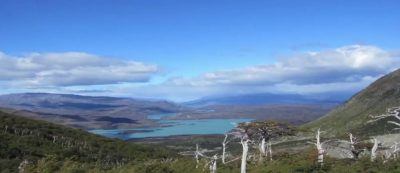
[[86, 111]]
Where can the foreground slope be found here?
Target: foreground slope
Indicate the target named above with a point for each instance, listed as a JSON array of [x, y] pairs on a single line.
[[29, 146], [38, 146], [354, 114]]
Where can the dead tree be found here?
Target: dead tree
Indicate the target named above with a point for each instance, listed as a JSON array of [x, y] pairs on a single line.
[[354, 148], [319, 147], [224, 147], [245, 145], [212, 163], [351, 141], [373, 149], [270, 150], [390, 112], [22, 166], [262, 148], [196, 155], [266, 131], [395, 150], [392, 152], [245, 138]]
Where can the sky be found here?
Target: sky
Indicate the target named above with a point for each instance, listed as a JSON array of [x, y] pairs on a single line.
[[183, 50]]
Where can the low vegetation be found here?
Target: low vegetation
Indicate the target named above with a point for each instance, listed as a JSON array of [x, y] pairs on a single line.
[[35, 146], [38, 146]]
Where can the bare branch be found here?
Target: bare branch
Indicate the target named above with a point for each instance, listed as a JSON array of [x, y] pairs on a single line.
[[237, 158], [395, 123], [390, 112]]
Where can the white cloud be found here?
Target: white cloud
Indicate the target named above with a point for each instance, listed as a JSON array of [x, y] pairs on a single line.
[[345, 69], [70, 69], [338, 65]]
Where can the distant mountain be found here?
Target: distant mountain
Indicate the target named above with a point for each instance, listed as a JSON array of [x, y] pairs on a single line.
[[292, 113], [88, 112], [353, 115], [85, 111], [265, 98]]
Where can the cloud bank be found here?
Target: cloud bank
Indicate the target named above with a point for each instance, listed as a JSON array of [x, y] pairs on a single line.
[[38, 70], [345, 69]]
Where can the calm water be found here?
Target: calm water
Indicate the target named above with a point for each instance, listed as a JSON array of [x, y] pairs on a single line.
[[175, 127], [159, 116]]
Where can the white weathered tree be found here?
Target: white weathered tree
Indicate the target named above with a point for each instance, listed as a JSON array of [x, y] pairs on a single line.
[[391, 153], [351, 141], [320, 149], [196, 156], [395, 149], [263, 132], [224, 147], [270, 150], [355, 150], [22, 166], [374, 149], [212, 161], [262, 148], [266, 131], [390, 112], [213, 164], [245, 146]]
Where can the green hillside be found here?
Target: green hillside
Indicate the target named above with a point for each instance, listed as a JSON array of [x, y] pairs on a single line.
[[353, 115], [52, 148], [41, 147]]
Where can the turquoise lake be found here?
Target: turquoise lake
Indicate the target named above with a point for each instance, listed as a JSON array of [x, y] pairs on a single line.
[[174, 127]]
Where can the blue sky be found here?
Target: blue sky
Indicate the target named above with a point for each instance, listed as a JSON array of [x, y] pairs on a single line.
[[181, 40]]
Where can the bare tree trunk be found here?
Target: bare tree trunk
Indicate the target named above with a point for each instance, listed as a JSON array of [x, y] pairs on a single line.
[[262, 149], [245, 146], [351, 141], [373, 150], [54, 139], [213, 164], [395, 150], [270, 150], [22, 165], [197, 156], [224, 148], [320, 149]]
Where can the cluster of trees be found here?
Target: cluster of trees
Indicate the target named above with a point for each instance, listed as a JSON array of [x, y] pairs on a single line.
[[255, 139], [391, 116], [256, 134], [354, 147]]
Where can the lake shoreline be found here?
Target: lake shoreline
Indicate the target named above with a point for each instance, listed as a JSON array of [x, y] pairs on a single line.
[[174, 128]]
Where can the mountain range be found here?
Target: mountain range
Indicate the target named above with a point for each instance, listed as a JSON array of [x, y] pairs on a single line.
[[267, 98], [85, 111], [88, 112]]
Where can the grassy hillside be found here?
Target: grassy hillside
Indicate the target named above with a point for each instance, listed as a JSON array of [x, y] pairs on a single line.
[[37, 146], [51, 148], [353, 115]]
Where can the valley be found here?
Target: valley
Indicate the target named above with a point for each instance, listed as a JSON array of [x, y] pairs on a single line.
[[126, 118], [173, 144]]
